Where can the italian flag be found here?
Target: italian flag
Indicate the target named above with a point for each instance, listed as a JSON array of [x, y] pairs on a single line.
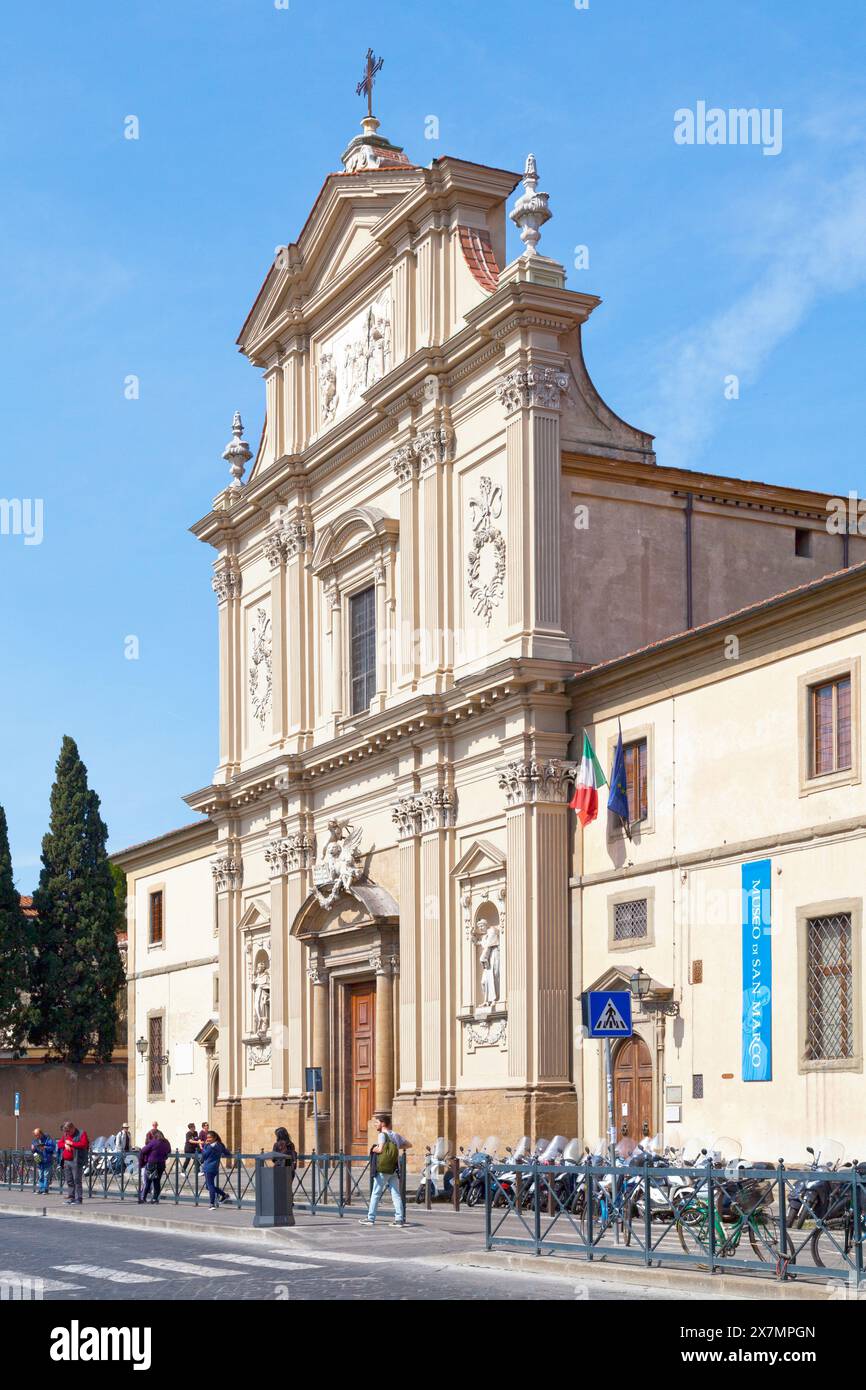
[[589, 778]]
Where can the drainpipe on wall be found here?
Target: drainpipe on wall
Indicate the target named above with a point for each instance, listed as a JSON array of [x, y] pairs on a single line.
[[690, 619]]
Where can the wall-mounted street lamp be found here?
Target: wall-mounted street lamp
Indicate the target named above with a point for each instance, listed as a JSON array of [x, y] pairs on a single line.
[[141, 1048], [640, 984]]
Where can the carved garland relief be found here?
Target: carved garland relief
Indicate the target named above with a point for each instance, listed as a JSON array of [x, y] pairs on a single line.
[[486, 559], [260, 672]]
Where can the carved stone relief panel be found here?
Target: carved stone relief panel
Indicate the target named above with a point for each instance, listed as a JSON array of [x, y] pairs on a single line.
[[353, 359]]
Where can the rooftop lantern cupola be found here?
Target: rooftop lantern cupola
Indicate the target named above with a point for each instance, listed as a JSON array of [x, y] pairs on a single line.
[[371, 150]]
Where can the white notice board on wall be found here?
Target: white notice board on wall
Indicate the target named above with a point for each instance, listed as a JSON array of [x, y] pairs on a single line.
[[183, 1059]]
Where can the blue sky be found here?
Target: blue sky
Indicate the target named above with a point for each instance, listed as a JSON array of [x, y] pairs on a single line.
[[142, 257]]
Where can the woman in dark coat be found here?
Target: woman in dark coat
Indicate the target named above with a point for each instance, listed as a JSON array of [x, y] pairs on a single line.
[[152, 1159], [283, 1145]]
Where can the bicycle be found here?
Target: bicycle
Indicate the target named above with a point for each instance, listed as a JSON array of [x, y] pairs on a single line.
[[740, 1208]]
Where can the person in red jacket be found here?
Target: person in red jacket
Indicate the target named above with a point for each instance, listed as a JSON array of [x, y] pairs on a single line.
[[73, 1145]]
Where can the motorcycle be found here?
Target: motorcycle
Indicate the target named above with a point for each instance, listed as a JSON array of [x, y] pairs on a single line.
[[438, 1178]]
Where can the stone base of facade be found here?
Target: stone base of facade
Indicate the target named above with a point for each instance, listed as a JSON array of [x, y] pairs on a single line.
[[247, 1126], [508, 1114]]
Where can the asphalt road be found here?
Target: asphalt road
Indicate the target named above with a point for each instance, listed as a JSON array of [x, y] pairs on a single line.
[[77, 1261]]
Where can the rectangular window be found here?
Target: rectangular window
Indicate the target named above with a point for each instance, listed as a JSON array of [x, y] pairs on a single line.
[[362, 614], [830, 988], [154, 1055], [635, 755], [831, 726], [630, 920], [155, 919], [697, 1085], [803, 542]]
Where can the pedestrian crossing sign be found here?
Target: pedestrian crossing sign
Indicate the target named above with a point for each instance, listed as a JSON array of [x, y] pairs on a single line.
[[607, 1013]]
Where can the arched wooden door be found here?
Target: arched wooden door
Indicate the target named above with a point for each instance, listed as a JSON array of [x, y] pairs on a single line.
[[633, 1089]]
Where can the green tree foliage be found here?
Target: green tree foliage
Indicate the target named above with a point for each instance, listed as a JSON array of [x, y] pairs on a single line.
[[78, 972], [16, 947]]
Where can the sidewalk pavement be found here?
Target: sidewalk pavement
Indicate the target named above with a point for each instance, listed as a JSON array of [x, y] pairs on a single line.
[[440, 1237]]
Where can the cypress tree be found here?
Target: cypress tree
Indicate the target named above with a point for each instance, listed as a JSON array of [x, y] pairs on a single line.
[[78, 971], [16, 946]]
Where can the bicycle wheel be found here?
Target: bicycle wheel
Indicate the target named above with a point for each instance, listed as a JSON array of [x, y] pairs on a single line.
[[765, 1237], [829, 1245], [692, 1234]]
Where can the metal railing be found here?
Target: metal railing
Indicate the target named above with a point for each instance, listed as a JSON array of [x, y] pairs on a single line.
[[323, 1182], [780, 1222]]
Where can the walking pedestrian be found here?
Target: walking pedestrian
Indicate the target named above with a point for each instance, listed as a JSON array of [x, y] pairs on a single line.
[[387, 1153], [74, 1144], [152, 1159], [43, 1149], [212, 1155], [191, 1144]]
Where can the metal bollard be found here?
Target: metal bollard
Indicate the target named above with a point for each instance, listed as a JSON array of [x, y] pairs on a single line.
[[455, 1183]]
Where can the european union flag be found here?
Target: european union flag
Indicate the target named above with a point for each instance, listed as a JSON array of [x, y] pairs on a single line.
[[617, 800]]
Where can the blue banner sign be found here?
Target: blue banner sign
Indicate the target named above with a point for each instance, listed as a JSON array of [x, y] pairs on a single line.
[[757, 972]]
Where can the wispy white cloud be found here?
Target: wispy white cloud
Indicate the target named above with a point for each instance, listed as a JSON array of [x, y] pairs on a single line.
[[809, 244]]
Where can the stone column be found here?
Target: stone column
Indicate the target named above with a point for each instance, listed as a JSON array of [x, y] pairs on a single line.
[[226, 584], [405, 817], [275, 551], [433, 447], [322, 1044], [227, 876], [384, 1090], [537, 941], [335, 601], [381, 638], [531, 398], [405, 465]]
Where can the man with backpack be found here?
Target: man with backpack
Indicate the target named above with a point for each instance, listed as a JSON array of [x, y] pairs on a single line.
[[387, 1162]]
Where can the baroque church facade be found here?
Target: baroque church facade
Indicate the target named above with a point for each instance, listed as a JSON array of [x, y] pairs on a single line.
[[443, 525]]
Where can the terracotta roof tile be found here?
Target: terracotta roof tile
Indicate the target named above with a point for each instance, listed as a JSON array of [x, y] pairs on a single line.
[[478, 254]]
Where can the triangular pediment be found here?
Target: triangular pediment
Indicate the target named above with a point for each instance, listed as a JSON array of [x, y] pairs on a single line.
[[482, 857], [256, 914], [337, 240]]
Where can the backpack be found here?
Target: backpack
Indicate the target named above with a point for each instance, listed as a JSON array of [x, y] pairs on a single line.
[[388, 1159]]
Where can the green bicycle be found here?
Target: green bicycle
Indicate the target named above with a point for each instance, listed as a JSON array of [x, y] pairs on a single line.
[[740, 1209]]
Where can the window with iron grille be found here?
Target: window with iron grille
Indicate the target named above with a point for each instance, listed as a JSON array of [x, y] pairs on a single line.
[[635, 756], [831, 726], [155, 925], [362, 614], [697, 1085], [154, 1055], [630, 920], [830, 988]]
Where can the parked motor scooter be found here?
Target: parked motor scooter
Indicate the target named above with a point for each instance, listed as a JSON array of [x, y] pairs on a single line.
[[437, 1178]]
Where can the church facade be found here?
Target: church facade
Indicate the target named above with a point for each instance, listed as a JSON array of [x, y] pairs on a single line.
[[443, 527]]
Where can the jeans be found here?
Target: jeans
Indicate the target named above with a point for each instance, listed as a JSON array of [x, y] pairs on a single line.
[[213, 1189], [44, 1177], [380, 1182], [72, 1172]]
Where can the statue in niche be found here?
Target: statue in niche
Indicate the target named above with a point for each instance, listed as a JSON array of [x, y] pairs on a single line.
[[261, 997], [488, 939]]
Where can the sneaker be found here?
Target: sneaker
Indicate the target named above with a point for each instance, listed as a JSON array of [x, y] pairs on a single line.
[[365, 1221], [401, 1224], [211, 1210], [225, 1198]]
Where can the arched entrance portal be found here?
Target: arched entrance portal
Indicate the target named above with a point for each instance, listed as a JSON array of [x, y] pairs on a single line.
[[351, 942], [633, 1089]]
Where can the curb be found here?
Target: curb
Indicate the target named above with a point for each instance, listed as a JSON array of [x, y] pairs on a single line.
[[155, 1223], [717, 1286]]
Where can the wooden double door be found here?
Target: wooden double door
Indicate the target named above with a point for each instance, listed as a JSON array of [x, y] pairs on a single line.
[[360, 1065], [633, 1089]]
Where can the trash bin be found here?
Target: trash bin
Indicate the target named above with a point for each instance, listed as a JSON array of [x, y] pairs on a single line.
[[273, 1194]]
